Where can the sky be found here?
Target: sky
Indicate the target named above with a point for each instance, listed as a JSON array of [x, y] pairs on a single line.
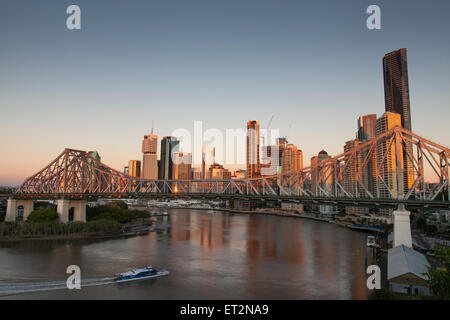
[[313, 64]]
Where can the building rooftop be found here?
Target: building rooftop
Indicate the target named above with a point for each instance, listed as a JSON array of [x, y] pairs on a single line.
[[403, 260]]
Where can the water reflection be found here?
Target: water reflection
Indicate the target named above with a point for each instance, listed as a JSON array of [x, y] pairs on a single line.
[[210, 255]]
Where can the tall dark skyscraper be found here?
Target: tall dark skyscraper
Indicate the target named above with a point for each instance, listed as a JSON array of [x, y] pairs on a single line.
[[169, 145], [396, 95], [396, 88]]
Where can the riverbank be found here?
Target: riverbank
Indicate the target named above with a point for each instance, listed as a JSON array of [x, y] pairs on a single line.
[[134, 228]]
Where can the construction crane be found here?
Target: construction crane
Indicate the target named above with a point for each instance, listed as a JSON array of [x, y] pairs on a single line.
[[267, 129]]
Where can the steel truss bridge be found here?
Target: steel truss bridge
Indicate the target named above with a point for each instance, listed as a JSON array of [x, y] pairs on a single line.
[[385, 171]]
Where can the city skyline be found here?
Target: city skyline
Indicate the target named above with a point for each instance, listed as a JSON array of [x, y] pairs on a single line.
[[38, 128]]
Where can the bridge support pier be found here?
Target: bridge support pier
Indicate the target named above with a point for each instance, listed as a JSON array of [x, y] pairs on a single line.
[[18, 209], [79, 210], [402, 227]]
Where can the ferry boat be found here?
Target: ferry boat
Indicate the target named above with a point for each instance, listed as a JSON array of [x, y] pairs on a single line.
[[139, 274]]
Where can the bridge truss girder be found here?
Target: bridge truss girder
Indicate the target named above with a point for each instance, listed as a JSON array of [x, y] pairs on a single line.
[[390, 166]]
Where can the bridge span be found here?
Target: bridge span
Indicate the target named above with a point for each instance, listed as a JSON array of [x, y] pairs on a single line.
[[385, 172]]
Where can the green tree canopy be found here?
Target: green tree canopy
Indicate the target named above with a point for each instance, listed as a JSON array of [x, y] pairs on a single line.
[[439, 278], [43, 215]]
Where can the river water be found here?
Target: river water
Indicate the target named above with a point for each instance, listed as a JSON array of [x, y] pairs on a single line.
[[210, 255]]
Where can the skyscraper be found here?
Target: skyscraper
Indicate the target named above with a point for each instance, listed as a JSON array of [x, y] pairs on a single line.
[[150, 157], [327, 184], [282, 142], [366, 127], [292, 159], [134, 168], [182, 166], [396, 88], [218, 172], [253, 163], [396, 93], [169, 145], [386, 156], [315, 178], [203, 171], [366, 132], [352, 167]]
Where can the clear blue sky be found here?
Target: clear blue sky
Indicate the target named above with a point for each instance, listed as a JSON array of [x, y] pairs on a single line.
[[313, 64]]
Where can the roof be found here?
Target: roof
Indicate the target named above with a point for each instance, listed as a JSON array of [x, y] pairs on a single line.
[[403, 260]]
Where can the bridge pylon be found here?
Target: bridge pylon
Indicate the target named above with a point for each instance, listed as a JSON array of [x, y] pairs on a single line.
[[79, 210], [18, 209], [402, 227]]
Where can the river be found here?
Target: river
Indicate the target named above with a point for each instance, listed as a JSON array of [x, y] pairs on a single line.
[[210, 255]]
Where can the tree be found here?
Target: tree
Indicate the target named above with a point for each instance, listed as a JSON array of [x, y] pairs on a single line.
[[43, 215], [120, 204], [439, 278]]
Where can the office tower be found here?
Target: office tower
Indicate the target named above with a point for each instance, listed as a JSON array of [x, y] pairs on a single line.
[[352, 167], [269, 160], [366, 127], [197, 173], [218, 172], [315, 178], [386, 156], [89, 175], [253, 164], [396, 92], [396, 88], [182, 166], [327, 185], [281, 143], [150, 157], [134, 168], [366, 132], [203, 164], [169, 145], [292, 159]]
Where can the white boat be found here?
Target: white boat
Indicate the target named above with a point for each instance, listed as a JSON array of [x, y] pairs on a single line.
[[371, 242], [140, 274]]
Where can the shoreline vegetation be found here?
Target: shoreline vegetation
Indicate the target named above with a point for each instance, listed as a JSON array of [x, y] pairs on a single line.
[[104, 221]]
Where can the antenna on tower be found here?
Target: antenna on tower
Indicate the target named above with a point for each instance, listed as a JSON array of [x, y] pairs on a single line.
[[152, 127]]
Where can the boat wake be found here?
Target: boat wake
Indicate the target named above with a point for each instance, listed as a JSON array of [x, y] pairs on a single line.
[[13, 287]]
